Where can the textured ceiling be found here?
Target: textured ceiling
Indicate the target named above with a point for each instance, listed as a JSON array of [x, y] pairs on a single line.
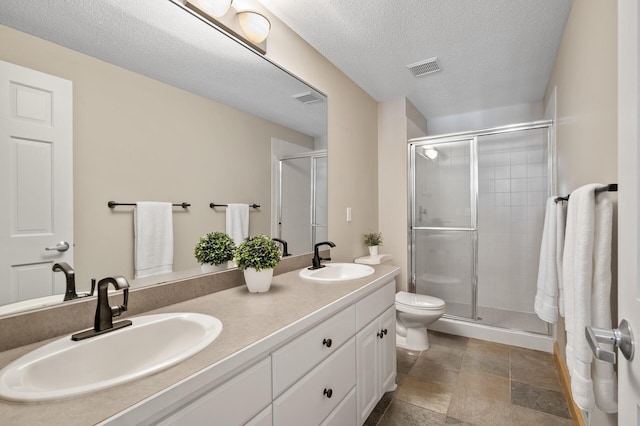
[[161, 40], [493, 53]]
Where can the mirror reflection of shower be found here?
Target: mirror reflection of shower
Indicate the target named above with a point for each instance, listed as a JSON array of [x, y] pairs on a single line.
[[299, 196]]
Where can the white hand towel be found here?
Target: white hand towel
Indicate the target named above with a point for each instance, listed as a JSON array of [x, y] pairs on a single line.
[[604, 378], [578, 280], [561, 221], [546, 300], [153, 227], [238, 222]]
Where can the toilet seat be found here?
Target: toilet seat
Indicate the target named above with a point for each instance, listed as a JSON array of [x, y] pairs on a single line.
[[420, 302]]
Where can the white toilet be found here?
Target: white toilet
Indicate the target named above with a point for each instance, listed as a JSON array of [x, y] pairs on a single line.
[[414, 312]]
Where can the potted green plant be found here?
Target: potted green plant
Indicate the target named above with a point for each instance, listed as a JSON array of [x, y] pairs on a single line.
[[257, 256], [373, 240], [214, 251]]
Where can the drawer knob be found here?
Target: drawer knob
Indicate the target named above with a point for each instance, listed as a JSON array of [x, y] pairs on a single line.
[[385, 331], [327, 343], [328, 392]]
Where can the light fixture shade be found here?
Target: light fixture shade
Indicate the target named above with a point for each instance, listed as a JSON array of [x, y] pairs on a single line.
[[215, 8], [430, 152], [255, 26]]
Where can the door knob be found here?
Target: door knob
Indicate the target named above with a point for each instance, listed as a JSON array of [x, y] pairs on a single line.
[[61, 246], [622, 337]]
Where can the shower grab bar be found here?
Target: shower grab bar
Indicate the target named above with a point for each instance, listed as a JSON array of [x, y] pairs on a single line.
[[612, 187], [214, 205], [112, 204]]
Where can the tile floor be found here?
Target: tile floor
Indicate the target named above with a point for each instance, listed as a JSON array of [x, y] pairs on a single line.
[[466, 381]]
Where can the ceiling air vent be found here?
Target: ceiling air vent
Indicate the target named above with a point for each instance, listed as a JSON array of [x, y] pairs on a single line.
[[425, 67], [307, 97]]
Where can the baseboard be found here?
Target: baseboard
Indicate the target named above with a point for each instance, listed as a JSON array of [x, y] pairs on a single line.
[[561, 366]]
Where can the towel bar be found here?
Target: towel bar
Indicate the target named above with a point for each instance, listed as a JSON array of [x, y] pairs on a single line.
[[214, 205], [112, 204]]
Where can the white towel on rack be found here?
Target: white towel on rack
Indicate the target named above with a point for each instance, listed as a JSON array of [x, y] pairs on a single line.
[[587, 281], [561, 222], [238, 222], [605, 382], [546, 300], [153, 228]]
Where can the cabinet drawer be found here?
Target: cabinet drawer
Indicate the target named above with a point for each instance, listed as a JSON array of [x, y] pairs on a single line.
[[373, 305], [232, 403], [345, 412], [308, 402], [297, 358], [265, 418]]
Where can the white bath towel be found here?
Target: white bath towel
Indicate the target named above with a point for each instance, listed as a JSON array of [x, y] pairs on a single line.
[[238, 222], [577, 273], [546, 300], [153, 228], [561, 222], [587, 282], [605, 382]]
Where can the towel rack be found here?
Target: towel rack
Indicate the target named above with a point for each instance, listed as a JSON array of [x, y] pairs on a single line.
[[112, 204], [214, 205], [612, 187]]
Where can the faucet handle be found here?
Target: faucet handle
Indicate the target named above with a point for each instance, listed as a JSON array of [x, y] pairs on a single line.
[[117, 310]]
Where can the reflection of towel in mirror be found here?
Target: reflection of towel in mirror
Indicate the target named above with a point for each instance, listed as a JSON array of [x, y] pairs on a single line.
[[238, 222], [587, 284], [153, 227]]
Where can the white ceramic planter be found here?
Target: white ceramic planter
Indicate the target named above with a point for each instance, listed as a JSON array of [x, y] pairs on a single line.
[[373, 250], [258, 281], [208, 268]]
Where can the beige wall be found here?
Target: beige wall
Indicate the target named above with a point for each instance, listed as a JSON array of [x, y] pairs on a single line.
[[396, 118], [352, 140], [585, 77], [138, 139]]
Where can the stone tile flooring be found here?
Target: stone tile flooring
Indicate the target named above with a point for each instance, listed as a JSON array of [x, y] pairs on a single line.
[[466, 381]]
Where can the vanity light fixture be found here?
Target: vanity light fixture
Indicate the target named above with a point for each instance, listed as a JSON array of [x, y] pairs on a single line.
[[215, 8], [248, 26], [254, 25]]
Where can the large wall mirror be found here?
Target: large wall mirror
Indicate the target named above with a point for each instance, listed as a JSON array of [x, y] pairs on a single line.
[[166, 107]]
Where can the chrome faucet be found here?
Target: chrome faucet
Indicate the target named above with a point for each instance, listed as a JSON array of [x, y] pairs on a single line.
[[285, 250], [316, 262], [70, 292], [104, 313]]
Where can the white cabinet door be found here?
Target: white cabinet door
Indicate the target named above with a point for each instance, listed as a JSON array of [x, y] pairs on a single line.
[[368, 376], [36, 181], [376, 362], [388, 364]]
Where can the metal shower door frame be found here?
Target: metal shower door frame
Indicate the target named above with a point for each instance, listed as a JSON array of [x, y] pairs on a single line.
[[473, 137], [312, 156]]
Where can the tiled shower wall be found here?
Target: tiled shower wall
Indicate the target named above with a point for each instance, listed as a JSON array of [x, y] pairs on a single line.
[[512, 190]]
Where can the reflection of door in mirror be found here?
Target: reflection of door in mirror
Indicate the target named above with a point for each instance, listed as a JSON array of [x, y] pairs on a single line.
[[36, 182], [299, 195]]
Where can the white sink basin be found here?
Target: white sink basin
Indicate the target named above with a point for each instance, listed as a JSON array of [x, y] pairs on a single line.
[[336, 272], [64, 368]]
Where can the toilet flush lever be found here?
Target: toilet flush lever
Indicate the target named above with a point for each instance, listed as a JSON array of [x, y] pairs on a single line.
[[622, 337]]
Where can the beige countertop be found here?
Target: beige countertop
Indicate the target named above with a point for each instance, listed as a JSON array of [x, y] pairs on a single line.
[[253, 324]]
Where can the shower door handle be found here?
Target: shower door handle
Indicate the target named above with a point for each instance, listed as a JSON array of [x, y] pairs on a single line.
[[622, 337]]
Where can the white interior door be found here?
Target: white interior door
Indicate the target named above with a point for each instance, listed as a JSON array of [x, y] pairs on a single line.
[[36, 181], [628, 198]]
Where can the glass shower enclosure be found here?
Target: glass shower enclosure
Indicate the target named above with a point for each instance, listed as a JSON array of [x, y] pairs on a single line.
[[476, 212]]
